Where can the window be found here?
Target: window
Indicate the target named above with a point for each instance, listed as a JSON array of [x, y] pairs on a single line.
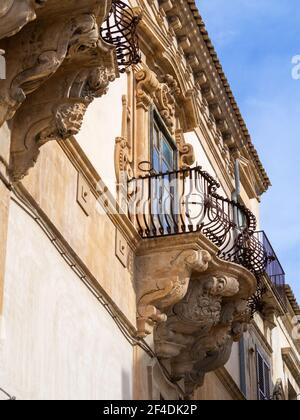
[[163, 188], [163, 150], [263, 377]]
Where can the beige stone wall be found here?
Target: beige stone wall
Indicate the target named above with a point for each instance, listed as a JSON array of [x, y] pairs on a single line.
[[4, 204], [282, 339], [60, 343], [233, 366], [53, 185], [213, 390], [102, 124]]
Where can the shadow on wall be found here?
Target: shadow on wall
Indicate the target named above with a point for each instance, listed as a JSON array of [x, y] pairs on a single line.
[[126, 386]]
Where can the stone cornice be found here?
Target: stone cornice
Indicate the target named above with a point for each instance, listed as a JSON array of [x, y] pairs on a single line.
[[176, 34], [226, 87], [292, 300], [293, 363]]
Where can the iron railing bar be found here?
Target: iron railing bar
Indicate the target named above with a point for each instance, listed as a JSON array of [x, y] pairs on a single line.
[[264, 236]]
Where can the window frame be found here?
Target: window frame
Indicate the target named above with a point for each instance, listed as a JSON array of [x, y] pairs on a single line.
[[262, 393], [157, 120]]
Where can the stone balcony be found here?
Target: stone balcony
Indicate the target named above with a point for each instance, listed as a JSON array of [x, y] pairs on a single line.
[[197, 265], [59, 56]]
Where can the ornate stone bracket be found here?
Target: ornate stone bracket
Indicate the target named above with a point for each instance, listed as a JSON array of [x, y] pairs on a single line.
[[34, 55], [163, 279], [198, 335], [195, 304], [162, 94], [15, 14], [186, 151], [54, 114], [55, 68]]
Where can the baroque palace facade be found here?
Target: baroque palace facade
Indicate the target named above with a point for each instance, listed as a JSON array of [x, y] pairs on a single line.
[[131, 261]]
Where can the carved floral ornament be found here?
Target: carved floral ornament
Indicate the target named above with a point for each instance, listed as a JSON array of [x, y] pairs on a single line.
[[195, 305], [163, 95]]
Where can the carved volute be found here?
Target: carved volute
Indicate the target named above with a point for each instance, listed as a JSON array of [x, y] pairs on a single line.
[[55, 66], [194, 303]]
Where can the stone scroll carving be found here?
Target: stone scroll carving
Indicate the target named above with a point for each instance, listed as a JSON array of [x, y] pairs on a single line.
[[37, 53], [195, 305], [55, 68], [162, 94], [186, 151], [162, 285], [200, 330], [15, 14], [55, 115]]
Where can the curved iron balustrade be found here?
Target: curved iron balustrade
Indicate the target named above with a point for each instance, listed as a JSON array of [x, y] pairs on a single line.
[[120, 29], [274, 269], [185, 201], [9, 397]]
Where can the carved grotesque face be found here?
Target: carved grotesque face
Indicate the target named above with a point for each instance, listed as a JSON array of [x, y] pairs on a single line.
[[85, 36]]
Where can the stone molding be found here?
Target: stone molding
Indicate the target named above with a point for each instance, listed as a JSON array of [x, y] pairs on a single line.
[[150, 91], [165, 96]]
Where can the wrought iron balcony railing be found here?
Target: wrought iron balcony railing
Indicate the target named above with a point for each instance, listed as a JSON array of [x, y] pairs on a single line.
[[274, 268], [5, 396], [120, 30], [185, 201]]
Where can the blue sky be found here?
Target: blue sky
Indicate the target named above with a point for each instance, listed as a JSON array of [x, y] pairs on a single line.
[[256, 40]]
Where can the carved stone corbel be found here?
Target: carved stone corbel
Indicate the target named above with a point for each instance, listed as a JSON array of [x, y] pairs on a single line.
[[186, 151], [15, 14], [162, 280], [34, 55], [55, 68], [56, 112], [195, 303]]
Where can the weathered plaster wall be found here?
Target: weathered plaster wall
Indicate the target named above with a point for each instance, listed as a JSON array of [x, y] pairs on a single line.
[[60, 342]]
